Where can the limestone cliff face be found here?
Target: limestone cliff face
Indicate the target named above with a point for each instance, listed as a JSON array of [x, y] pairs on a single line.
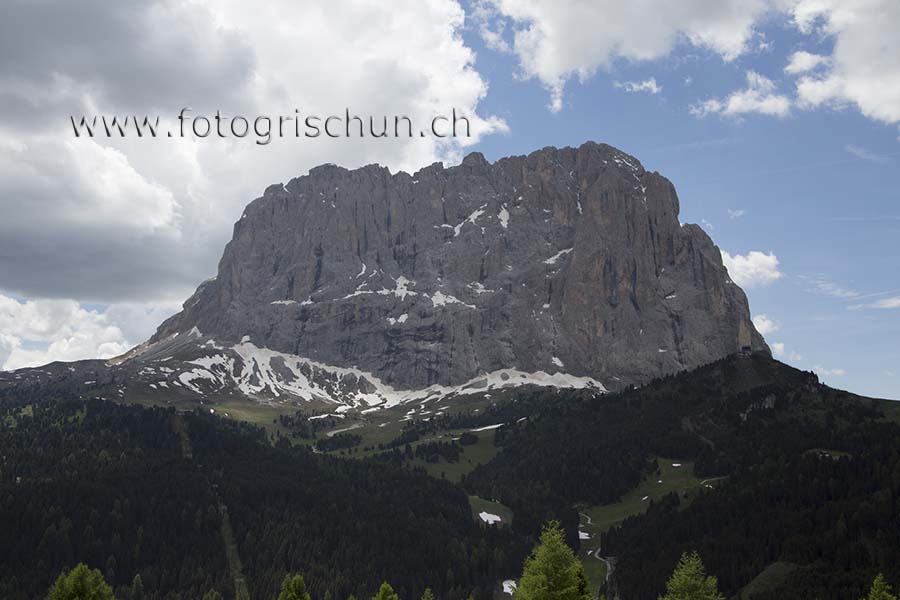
[[566, 260]]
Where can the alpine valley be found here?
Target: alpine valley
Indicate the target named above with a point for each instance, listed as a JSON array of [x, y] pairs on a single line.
[[401, 378]]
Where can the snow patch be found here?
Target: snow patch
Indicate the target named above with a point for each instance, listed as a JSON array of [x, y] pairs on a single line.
[[552, 260], [487, 427], [470, 219], [478, 288], [503, 215], [489, 518], [441, 299], [401, 319]]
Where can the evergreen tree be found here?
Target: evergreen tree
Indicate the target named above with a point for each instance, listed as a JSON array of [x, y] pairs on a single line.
[[137, 588], [386, 592], [81, 583], [881, 590], [212, 595], [690, 582], [427, 594], [293, 588], [552, 572]]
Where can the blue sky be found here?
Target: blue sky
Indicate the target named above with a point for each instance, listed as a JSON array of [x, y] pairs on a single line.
[[777, 121]]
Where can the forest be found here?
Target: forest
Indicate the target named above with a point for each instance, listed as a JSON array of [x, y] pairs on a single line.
[[811, 477], [808, 481], [139, 491]]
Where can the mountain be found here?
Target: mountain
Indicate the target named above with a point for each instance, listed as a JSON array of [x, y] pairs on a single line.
[[566, 268]]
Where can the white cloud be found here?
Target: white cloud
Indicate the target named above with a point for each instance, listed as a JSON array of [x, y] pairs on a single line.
[[707, 225], [760, 96], [35, 332], [492, 30], [823, 372], [864, 67], [802, 61], [8, 343], [736, 213], [557, 40], [764, 325], [779, 350], [40, 331], [648, 85], [753, 269], [862, 153], [820, 285], [885, 303]]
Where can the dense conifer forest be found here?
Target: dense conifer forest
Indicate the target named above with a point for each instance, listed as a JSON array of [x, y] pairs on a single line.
[[807, 486], [119, 488]]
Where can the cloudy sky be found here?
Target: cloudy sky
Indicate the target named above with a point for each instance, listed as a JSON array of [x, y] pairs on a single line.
[[777, 120]]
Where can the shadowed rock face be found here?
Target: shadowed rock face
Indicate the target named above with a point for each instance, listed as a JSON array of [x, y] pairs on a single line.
[[567, 260]]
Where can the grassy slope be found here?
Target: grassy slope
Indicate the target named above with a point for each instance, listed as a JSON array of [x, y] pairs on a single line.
[[598, 519]]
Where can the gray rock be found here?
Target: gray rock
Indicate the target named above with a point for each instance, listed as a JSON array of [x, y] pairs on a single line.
[[569, 260]]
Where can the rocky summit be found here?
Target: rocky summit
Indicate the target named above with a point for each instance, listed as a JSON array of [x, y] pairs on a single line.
[[567, 267], [567, 260]]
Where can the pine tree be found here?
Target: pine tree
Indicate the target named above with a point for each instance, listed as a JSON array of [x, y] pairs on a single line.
[[293, 588], [552, 572], [137, 588], [212, 595], [427, 594], [881, 590], [81, 583], [385, 592], [690, 582]]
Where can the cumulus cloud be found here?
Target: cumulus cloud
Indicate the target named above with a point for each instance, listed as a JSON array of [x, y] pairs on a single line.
[[648, 85], [777, 348], [764, 325], [864, 66], [754, 269], [35, 332], [736, 213], [823, 372], [802, 61], [556, 41], [760, 96]]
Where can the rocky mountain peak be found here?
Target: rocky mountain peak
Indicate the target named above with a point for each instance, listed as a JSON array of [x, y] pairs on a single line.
[[568, 261]]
